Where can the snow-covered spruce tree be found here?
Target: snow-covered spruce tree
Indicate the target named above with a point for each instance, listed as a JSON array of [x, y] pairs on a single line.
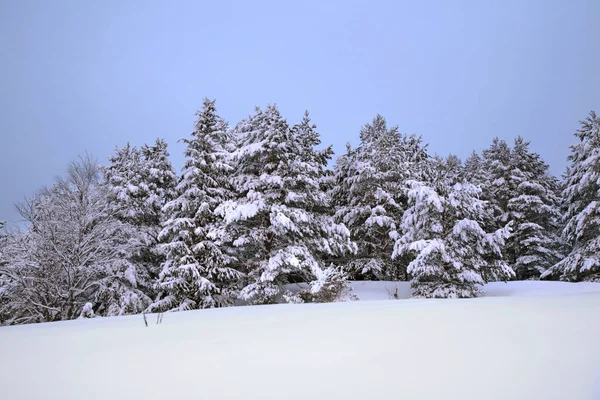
[[122, 177], [306, 180], [369, 196], [473, 170], [445, 171], [448, 247], [139, 183], [122, 182], [157, 189], [498, 187], [581, 195], [71, 254], [197, 272], [277, 220], [534, 244]]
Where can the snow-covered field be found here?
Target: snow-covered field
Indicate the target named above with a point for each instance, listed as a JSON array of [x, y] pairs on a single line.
[[524, 340]]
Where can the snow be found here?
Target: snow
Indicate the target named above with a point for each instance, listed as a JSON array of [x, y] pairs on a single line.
[[381, 290], [232, 211], [525, 340]]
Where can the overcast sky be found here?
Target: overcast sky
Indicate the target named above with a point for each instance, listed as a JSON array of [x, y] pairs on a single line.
[[83, 76]]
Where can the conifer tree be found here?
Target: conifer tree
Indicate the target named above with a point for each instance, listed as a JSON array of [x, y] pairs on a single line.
[[534, 212], [369, 196], [277, 219], [581, 195], [122, 181], [158, 188], [309, 174], [474, 171], [197, 273], [450, 251], [498, 188], [445, 171], [139, 183]]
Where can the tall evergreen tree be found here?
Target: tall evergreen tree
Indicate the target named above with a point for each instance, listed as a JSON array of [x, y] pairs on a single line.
[[581, 195], [197, 273], [370, 198], [445, 171], [498, 188], [474, 171], [157, 189], [277, 220], [138, 183], [534, 212]]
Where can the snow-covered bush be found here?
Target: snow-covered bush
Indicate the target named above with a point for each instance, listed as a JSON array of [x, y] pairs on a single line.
[[87, 311], [330, 287]]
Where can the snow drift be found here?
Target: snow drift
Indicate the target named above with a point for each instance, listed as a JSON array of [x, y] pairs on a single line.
[[526, 340]]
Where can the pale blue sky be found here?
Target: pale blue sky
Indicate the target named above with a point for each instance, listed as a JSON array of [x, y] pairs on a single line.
[[88, 75]]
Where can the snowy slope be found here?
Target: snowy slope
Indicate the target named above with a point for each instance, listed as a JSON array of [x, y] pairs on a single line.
[[385, 290], [541, 342]]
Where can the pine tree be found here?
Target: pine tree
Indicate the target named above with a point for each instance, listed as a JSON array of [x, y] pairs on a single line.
[[122, 181], [445, 171], [157, 189], [534, 212], [139, 183], [122, 177], [197, 273], [450, 250], [370, 198], [498, 188], [474, 171], [277, 219], [308, 176], [581, 195]]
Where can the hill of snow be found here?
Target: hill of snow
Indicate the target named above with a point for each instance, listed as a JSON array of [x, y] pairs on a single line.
[[525, 340], [386, 290]]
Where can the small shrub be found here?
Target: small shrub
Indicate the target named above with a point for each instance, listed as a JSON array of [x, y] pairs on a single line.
[[393, 294], [330, 287], [87, 311]]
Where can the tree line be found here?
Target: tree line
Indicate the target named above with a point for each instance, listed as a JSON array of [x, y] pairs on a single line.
[[257, 217]]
